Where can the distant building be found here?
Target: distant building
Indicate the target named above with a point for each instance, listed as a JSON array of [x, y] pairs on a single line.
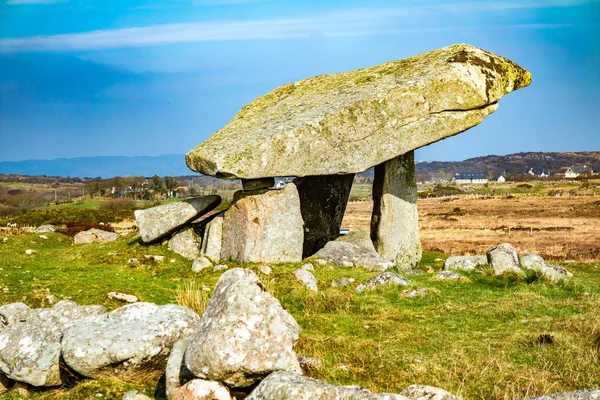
[[462, 178], [499, 179], [582, 170], [538, 172], [180, 192]]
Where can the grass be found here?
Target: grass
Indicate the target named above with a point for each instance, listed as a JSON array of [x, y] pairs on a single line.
[[476, 338]]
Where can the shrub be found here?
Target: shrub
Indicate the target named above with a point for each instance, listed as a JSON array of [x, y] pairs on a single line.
[[118, 204], [9, 211]]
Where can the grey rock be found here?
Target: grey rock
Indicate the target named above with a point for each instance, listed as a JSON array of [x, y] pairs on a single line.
[[186, 243], [386, 278], [448, 275], [200, 264], [45, 229], [176, 373], [423, 392], [282, 385], [309, 363], [348, 122], [263, 226], [30, 340], [129, 298], [464, 263], [158, 222], [535, 262], [503, 258], [248, 327], [323, 201], [257, 184], [343, 281], [413, 272], [416, 292], [308, 267], [577, 395], [354, 250], [395, 219], [213, 237], [135, 336], [265, 269], [307, 279], [199, 389], [135, 395], [220, 267], [94, 235]]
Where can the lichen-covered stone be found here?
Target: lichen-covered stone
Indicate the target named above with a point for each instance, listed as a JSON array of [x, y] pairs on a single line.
[[95, 235], [200, 264], [348, 122], [263, 226], [448, 275], [45, 229], [199, 389], [307, 279], [395, 219], [387, 278], [535, 262], [503, 258], [343, 281], [157, 222], [186, 243], [355, 250], [423, 392], [464, 263], [135, 336], [576, 395], [213, 237], [244, 335], [286, 386], [323, 201]]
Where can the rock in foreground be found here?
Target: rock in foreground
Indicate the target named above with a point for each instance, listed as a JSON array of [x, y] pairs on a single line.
[[157, 222], [387, 278], [503, 258], [348, 122], [353, 250], [248, 328]]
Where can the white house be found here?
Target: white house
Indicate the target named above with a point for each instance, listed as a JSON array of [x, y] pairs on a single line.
[[462, 178], [574, 172], [499, 179]]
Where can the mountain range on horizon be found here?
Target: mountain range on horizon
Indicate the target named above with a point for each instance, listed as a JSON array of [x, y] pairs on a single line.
[[174, 164]]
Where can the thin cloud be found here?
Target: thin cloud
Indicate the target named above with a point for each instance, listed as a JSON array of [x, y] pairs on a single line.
[[358, 22]]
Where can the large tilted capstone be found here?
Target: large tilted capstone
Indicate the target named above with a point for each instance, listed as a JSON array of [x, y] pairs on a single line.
[[326, 128], [346, 123]]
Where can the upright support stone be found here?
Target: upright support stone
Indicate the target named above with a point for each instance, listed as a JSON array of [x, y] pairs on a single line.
[[323, 201], [395, 220], [213, 237], [263, 226]]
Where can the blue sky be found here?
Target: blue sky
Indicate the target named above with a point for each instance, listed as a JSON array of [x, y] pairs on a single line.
[[141, 77]]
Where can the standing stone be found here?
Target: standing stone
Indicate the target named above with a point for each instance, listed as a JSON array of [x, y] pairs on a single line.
[[503, 258], [213, 237], [395, 220], [263, 226], [157, 222], [244, 334], [323, 201], [186, 243]]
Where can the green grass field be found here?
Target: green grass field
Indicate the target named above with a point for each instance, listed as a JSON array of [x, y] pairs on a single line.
[[476, 337]]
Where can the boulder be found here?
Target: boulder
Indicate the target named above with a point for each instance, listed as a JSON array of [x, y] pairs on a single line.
[[323, 201], [535, 262], [307, 279], [129, 298], [503, 258], [199, 389], [423, 392], [135, 336], [95, 235], [464, 263], [263, 226], [200, 264], [158, 222], [186, 243], [248, 328], [45, 229], [213, 236], [176, 374], [395, 219], [284, 386], [30, 340], [355, 250], [387, 278], [348, 122], [577, 395]]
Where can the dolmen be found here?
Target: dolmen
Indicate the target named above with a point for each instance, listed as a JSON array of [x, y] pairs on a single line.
[[324, 130]]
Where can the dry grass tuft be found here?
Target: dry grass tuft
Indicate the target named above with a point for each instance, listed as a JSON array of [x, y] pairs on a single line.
[[192, 295]]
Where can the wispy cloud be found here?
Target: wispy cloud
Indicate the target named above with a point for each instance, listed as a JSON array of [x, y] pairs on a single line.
[[358, 22], [16, 2]]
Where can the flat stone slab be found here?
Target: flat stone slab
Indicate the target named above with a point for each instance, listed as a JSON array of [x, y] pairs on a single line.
[[348, 122], [157, 222]]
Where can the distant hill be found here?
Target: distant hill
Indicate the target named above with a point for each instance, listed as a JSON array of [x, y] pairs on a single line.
[[102, 166], [174, 164]]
